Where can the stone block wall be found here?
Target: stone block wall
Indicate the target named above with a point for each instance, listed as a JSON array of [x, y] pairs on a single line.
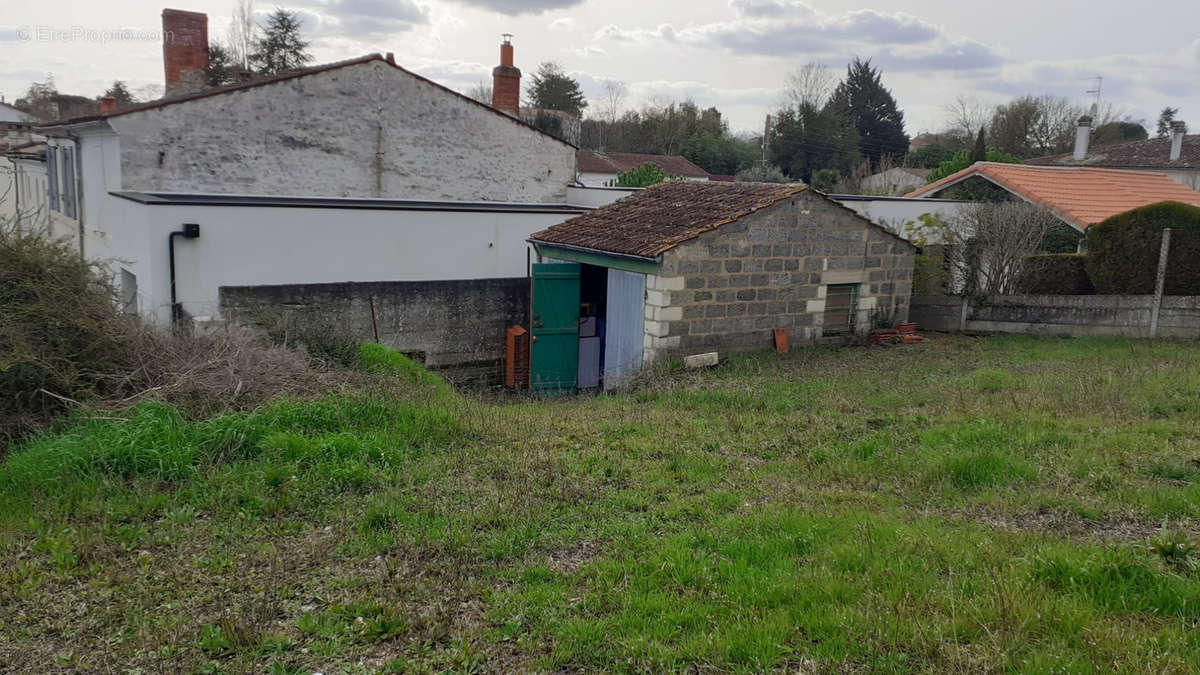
[[729, 288]]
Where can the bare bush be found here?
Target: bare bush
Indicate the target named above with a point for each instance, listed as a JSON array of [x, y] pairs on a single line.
[[989, 242], [226, 368]]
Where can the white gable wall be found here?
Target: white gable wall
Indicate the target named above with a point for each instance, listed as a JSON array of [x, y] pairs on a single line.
[[364, 130]]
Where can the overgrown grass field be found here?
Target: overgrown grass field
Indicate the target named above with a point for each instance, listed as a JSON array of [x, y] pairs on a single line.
[[966, 505]]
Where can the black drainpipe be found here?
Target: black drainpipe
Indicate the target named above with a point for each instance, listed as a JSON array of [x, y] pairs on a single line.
[[189, 231]]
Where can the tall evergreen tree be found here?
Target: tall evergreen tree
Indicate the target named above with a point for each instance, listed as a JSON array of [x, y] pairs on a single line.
[[221, 67], [1165, 118], [280, 48], [552, 89], [121, 94], [979, 154], [863, 101]]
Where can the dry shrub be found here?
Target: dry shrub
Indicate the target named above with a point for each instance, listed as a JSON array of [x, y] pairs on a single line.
[[61, 336], [228, 367]]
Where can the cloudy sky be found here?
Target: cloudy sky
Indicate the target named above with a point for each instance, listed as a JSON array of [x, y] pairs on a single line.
[[734, 54]]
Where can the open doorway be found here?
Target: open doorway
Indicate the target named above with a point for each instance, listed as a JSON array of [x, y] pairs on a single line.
[[593, 305]]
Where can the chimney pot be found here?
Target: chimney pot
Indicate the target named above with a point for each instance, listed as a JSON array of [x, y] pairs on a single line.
[[391, 58], [506, 80], [108, 104], [1083, 136], [1178, 129], [185, 50]]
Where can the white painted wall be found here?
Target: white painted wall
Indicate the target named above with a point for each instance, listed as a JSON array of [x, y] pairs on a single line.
[[256, 245], [363, 130], [893, 213], [595, 197]]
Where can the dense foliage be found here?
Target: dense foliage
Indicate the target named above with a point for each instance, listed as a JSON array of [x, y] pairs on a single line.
[[1056, 274], [1123, 251], [963, 158], [807, 139], [699, 134], [641, 176]]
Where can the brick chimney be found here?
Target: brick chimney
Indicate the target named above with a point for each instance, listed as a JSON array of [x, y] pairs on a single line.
[[506, 81], [1083, 136], [1178, 129], [108, 104], [185, 50]]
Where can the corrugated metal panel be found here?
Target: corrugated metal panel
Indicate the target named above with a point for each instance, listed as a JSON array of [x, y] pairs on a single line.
[[624, 327]]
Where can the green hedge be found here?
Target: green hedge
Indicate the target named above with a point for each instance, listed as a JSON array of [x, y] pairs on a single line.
[[1123, 250], [1056, 274]]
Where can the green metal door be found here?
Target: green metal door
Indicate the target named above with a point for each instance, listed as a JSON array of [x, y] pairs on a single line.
[[554, 364]]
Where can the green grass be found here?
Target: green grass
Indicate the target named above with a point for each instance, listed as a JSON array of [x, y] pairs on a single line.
[[967, 504]]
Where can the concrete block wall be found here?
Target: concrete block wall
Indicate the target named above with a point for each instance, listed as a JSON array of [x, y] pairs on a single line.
[[1074, 315], [728, 289], [454, 327]]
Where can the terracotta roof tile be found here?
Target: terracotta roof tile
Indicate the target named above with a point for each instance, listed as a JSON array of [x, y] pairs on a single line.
[[620, 162], [659, 218], [1082, 196]]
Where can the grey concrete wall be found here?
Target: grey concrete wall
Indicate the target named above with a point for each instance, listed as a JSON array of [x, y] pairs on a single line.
[[727, 289], [455, 327], [365, 130], [1077, 315]]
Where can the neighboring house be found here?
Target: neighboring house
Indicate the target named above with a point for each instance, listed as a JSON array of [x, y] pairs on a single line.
[[10, 114], [355, 193], [692, 267], [1176, 155], [895, 181], [600, 169], [1079, 196], [22, 195]]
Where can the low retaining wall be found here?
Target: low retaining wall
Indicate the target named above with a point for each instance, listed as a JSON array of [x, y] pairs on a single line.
[[1076, 315], [454, 327]]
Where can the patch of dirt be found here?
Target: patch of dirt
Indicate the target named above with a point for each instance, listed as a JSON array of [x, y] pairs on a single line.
[[566, 561], [1069, 525]]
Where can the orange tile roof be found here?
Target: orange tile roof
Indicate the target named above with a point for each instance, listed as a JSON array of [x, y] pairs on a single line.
[[1082, 196]]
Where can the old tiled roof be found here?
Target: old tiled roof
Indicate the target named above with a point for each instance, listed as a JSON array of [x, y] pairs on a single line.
[[1154, 153], [1081, 196], [659, 218], [620, 162]]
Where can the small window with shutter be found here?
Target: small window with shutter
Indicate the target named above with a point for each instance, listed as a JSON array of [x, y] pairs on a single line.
[[841, 302]]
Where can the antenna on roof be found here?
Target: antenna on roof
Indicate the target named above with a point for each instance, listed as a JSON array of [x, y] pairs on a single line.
[[507, 37], [1099, 86]]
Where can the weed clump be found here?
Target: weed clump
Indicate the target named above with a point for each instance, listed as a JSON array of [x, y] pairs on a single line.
[[991, 380]]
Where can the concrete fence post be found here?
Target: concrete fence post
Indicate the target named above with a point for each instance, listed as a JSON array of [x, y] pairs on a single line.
[[1160, 281], [964, 309]]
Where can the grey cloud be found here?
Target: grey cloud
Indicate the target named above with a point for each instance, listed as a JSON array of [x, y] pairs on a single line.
[[786, 27], [960, 55], [516, 7], [362, 18]]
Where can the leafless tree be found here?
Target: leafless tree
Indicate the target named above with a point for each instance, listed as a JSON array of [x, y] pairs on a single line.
[[808, 85], [989, 242], [611, 100], [965, 116], [242, 33], [481, 92]]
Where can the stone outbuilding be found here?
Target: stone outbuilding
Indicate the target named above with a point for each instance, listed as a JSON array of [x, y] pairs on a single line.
[[694, 267]]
